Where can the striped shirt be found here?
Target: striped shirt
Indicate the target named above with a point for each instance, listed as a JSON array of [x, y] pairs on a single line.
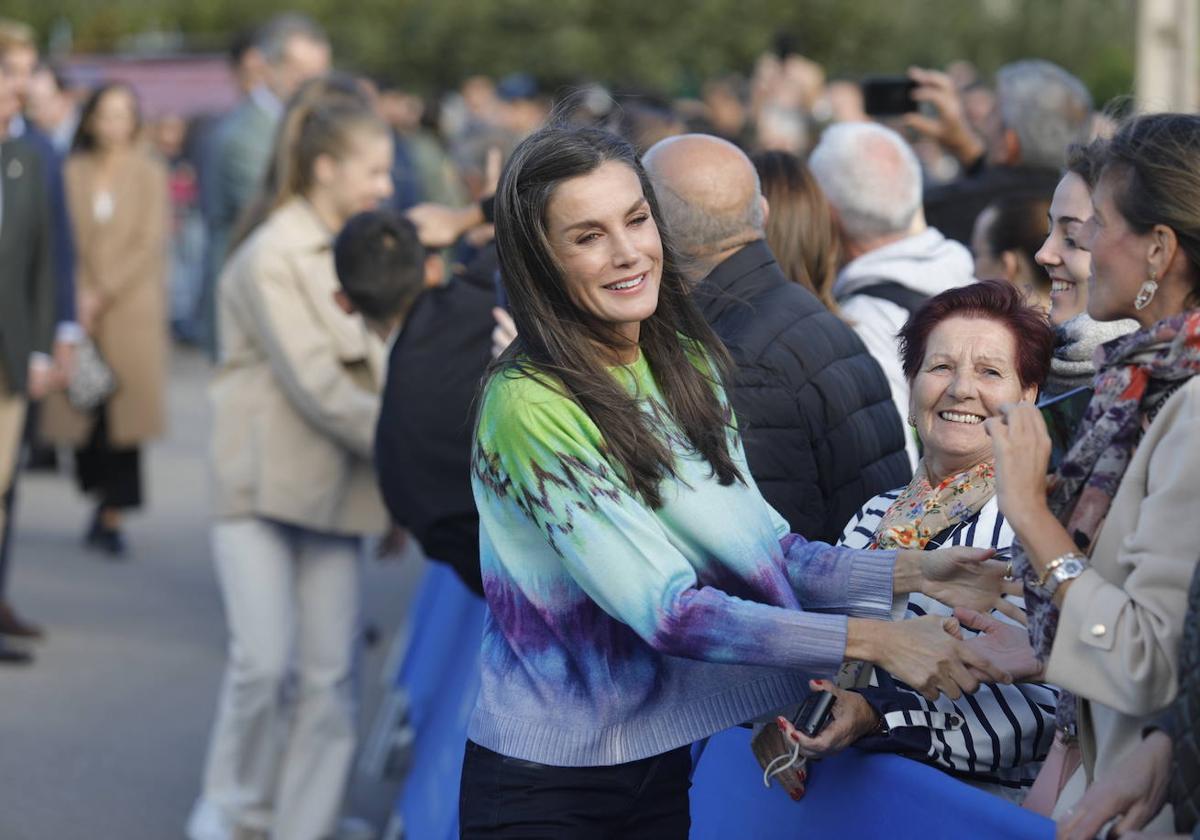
[[1006, 730]]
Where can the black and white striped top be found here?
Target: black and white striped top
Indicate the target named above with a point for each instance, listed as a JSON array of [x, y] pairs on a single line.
[[1006, 730]]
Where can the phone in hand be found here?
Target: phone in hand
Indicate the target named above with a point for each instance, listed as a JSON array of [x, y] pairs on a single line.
[[814, 713], [888, 96], [1063, 415]]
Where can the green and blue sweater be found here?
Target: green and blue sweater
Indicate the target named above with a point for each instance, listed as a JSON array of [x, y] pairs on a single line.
[[615, 631]]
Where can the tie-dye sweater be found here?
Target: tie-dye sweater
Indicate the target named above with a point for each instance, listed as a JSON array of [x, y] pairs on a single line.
[[616, 631]]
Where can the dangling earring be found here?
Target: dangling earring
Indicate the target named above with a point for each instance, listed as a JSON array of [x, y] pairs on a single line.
[[912, 421], [1146, 293]]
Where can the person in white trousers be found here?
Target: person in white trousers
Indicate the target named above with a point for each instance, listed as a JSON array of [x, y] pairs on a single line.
[[295, 403]]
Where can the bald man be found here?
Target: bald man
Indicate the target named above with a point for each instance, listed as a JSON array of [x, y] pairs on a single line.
[[814, 409]]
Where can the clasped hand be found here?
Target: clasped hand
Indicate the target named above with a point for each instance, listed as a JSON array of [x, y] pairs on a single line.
[[966, 577]]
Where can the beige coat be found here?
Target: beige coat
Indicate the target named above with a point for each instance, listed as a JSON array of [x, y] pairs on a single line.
[[1122, 620], [124, 260], [297, 394]]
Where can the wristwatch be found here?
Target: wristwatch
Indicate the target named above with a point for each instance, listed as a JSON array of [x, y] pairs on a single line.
[[1068, 567]]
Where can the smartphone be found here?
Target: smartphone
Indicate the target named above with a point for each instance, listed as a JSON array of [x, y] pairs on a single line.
[[814, 713], [888, 96], [1063, 414]]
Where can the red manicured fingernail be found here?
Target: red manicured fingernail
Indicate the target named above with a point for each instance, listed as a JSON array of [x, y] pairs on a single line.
[[795, 736], [795, 794]]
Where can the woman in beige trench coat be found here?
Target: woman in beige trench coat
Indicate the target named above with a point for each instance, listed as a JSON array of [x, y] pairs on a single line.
[[118, 201]]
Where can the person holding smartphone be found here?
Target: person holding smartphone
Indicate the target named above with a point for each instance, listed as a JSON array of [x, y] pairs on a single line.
[[1107, 546]]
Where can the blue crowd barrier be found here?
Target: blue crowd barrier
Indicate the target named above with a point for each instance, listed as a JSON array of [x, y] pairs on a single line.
[[440, 676], [853, 794]]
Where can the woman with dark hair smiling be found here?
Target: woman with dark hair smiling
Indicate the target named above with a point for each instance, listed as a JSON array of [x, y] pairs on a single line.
[[1108, 545], [965, 353], [641, 593], [1067, 263]]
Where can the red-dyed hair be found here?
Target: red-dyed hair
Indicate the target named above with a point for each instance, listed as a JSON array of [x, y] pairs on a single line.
[[993, 300]]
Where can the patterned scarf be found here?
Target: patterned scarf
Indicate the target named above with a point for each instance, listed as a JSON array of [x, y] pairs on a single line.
[[1135, 376], [923, 511]]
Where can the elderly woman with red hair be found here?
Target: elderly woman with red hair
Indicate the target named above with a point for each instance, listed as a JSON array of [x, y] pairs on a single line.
[[966, 352]]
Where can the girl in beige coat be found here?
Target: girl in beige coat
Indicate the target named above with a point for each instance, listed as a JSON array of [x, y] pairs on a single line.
[[118, 202], [295, 403], [1107, 559]]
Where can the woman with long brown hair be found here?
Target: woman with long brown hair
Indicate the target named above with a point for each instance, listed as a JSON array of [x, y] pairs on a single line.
[[641, 593], [800, 229], [295, 403]]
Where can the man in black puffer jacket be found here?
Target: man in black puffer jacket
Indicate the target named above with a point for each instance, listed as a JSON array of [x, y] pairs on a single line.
[[821, 432]]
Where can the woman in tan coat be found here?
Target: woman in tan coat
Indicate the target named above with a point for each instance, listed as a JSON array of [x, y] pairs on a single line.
[[1107, 558], [295, 402], [118, 201]]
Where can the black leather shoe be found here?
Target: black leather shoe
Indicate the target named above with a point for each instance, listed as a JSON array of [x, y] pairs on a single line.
[[14, 656], [12, 624], [109, 541]]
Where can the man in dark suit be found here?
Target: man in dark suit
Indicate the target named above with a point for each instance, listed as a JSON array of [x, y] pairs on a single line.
[[813, 407], [293, 49], [27, 308]]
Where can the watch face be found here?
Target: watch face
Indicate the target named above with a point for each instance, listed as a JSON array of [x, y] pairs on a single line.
[[1069, 570]]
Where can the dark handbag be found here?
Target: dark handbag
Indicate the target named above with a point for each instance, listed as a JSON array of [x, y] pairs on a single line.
[[93, 381]]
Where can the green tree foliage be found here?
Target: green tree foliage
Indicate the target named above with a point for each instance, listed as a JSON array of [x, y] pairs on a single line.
[[666, 45]]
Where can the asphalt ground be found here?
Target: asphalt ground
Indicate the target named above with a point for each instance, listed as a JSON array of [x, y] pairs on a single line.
[[104, 736]]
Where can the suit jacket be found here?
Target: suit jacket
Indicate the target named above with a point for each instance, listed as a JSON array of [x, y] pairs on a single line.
[[296, 396], [27, 288], [1121, 624], [240, 153], [814, 408], [122, 259], [62, 236]]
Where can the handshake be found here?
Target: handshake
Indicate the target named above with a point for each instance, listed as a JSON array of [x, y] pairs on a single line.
[[930, 653]]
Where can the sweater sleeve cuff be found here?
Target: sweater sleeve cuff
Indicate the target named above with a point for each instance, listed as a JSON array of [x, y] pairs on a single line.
[[818, 647], [869, 588], [836, 579]]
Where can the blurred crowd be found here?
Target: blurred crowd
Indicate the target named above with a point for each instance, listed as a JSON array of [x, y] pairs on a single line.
[[344, 250]]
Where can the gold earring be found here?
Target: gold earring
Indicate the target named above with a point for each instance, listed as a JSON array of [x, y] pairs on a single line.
[[1146, 292]]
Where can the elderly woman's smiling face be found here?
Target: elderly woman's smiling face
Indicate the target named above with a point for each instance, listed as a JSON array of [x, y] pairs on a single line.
[[969, 371]]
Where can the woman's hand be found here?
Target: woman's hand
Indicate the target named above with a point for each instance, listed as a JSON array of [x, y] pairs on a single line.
[[1021, 446], [852, 718], [1135, 791], [929, 654], [968, 577], [87, 310], [1005, 645]]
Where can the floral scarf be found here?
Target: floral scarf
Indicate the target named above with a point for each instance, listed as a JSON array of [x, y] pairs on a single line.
[[1135, 376], [923, 511]]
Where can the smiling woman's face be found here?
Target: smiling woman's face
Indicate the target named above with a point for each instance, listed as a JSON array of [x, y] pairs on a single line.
[[1062, 254], [969, 371], [604, 238]]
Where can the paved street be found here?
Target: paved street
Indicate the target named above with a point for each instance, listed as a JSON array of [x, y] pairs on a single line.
[[104, 737]]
